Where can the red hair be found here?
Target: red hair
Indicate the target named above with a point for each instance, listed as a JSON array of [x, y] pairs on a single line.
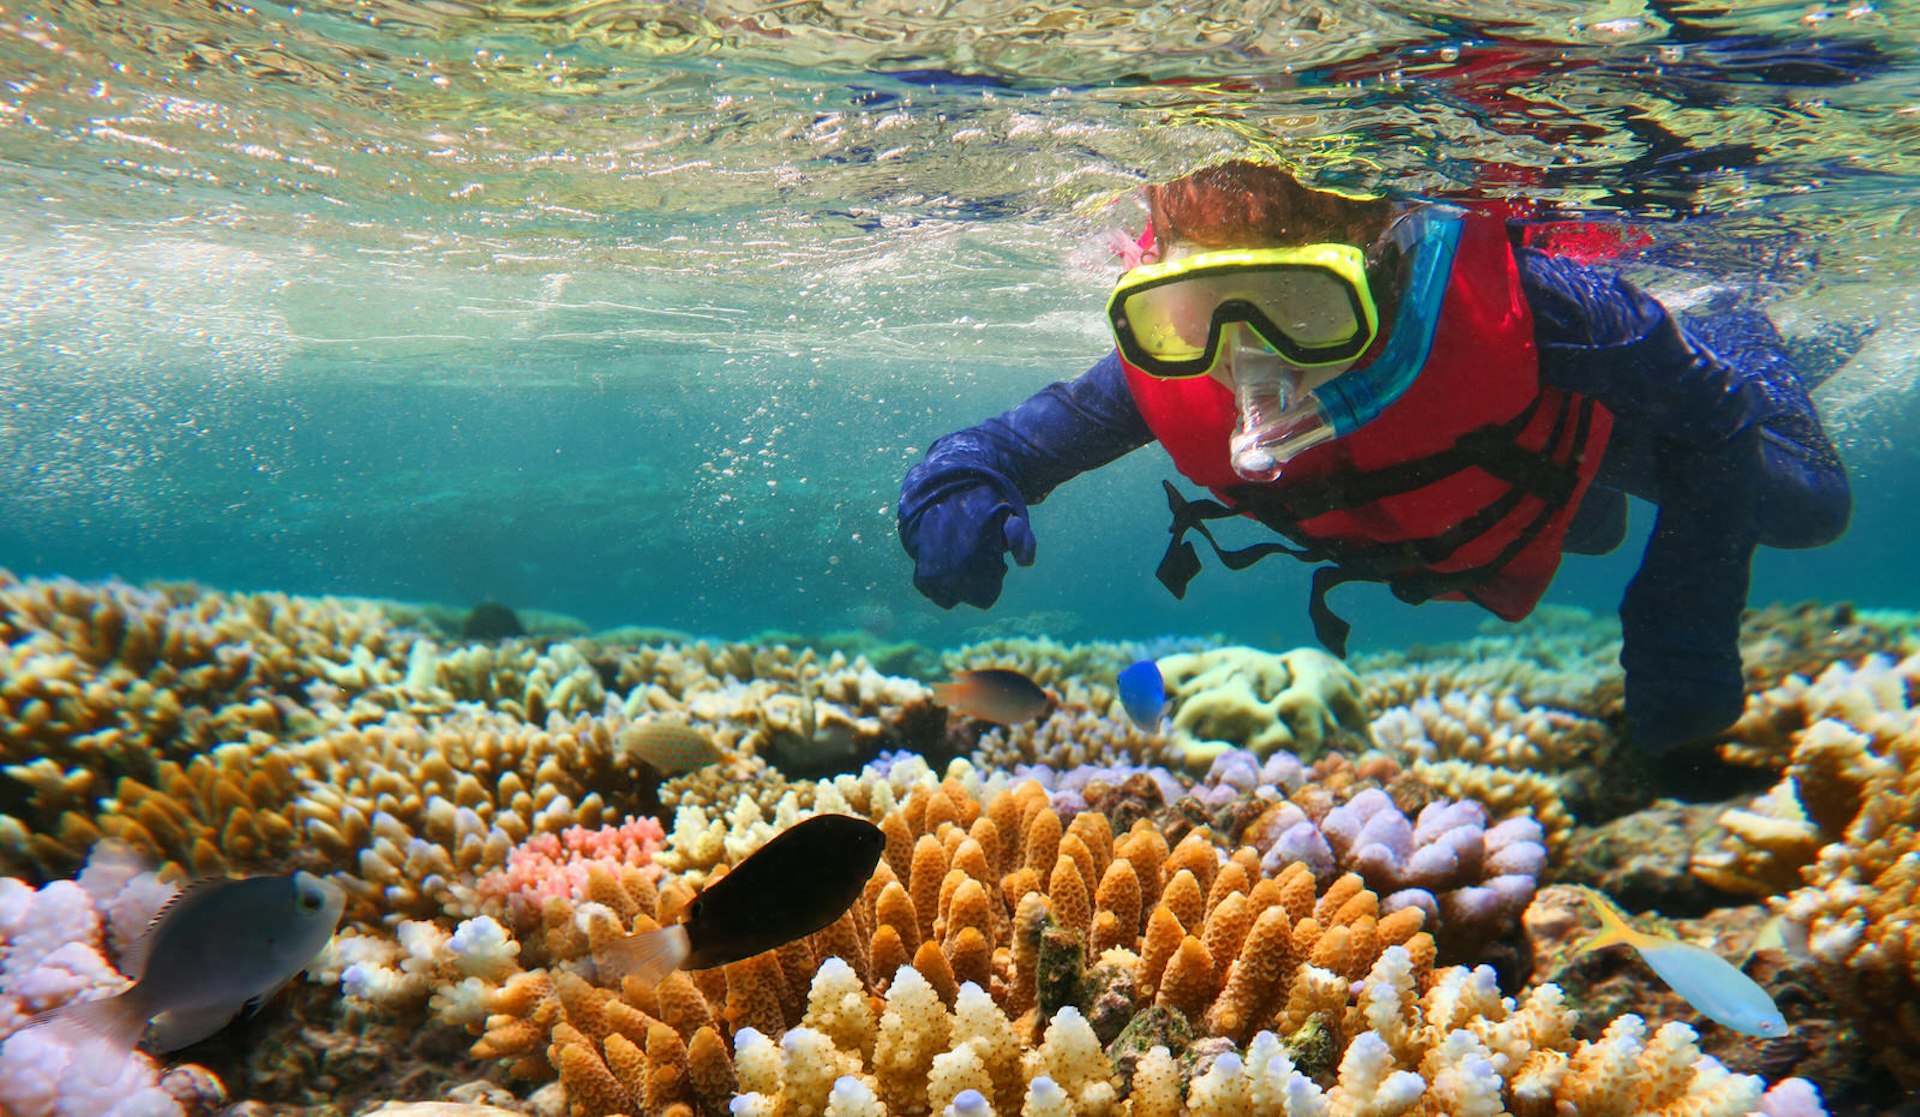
[[1242, 204]]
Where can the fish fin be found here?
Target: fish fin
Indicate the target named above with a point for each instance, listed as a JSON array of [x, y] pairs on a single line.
[[252, 1006], [948, 694], [116, 1019], [649, 955], [1614, 929], [186, 1027]]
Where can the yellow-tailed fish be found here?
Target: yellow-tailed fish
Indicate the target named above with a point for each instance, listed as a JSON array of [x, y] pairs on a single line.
[[219, 947], [997, 694], [803, 879], [672, 746], [1705, 980]]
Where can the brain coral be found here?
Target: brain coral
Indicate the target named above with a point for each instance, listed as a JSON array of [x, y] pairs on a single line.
[[1300, 701]]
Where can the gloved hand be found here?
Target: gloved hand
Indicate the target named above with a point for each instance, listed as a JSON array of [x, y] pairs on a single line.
[[963, 508], [958, 541]]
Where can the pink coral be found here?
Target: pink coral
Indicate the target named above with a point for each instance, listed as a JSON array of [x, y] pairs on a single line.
[[549, 865]]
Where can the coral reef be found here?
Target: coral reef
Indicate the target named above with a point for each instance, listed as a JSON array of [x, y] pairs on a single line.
[[1560, 658], [967, 968], [1837, 836], [1074, 916]]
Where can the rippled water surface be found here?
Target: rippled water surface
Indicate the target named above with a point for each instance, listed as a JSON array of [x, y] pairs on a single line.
[[624, 309]]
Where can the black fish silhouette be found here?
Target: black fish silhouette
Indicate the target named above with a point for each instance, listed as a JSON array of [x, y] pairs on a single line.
[[806, 877]]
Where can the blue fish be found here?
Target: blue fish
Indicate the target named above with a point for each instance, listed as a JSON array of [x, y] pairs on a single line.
[[1144, 693]]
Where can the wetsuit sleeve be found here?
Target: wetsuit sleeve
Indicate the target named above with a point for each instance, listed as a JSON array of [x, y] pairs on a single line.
[[964, 506], [1680, 618]]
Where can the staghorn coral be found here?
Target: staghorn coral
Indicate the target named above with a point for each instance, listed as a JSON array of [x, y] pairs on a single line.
[[1072, 735], [101, 683], [1559, 657], [1046, 661], [1301, 701]]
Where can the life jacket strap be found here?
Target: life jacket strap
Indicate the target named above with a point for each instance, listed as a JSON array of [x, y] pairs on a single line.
[[1181, 562], [1404, 567]]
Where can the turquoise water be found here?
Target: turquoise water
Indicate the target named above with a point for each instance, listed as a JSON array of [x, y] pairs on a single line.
[[639, 312]]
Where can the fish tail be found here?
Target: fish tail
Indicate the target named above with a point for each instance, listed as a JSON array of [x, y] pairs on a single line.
[[1614, 930], [649, 956], [119, 1020]]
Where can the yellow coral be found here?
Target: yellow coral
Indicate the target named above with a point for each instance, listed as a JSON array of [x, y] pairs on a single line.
[[1245, 698]]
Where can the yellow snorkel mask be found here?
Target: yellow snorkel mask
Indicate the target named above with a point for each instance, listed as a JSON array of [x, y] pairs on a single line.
[[1306, 308], [1311, 304]]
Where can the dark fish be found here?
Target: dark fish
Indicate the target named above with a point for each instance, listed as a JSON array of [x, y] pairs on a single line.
[[806, 877], [491, 620], [220, 947], [997, 694], [1143, 691]]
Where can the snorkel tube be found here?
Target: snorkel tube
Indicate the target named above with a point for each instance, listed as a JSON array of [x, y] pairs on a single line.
[[1278, 422]]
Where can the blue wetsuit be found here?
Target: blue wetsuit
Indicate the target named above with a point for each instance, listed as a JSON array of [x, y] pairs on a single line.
[[1711, 423]]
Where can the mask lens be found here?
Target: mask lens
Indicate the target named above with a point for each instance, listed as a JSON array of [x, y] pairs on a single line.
[[1171, 325]]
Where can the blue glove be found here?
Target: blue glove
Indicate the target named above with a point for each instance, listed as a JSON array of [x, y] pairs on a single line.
[[959, 543], [964, 507]]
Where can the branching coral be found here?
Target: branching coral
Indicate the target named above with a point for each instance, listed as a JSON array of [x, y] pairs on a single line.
[[999, 950], [1844, 822], [1473, 746], [1560, 658]]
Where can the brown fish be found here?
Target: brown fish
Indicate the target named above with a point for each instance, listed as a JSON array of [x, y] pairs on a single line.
[[997, 694], [803, 879], [672, 746]]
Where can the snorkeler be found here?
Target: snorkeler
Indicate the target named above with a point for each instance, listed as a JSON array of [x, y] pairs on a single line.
[[1413, 395]]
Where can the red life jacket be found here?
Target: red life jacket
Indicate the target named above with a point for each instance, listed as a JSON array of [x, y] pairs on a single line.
[[1461, 489]]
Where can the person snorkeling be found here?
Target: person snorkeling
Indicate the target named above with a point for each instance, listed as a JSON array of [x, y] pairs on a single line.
[[1422, 396]]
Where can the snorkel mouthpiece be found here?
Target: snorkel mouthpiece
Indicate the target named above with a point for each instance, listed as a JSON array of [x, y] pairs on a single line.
[[1276, 420]]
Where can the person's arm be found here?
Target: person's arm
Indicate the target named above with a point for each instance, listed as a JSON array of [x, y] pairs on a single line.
[[1680, 618], [964, 506]]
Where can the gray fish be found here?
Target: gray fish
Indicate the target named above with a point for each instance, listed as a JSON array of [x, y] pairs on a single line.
[[219, 947], [804, 878]]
